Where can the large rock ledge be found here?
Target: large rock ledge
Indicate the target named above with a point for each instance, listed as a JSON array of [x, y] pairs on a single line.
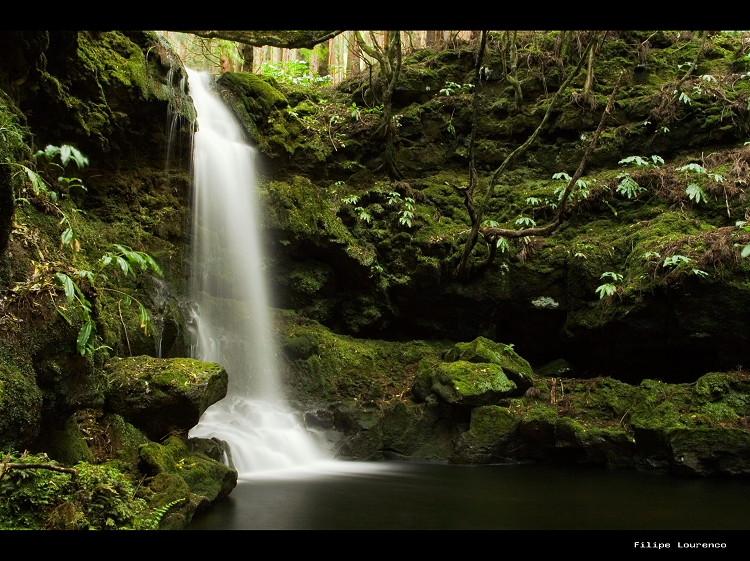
[[480, 402], [163, 396]]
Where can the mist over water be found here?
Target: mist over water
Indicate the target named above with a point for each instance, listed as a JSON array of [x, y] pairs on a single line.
[[228, 290]]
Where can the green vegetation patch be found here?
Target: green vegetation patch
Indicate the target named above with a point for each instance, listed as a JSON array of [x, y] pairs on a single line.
[[20, 407], [36, 495], [156, 373]]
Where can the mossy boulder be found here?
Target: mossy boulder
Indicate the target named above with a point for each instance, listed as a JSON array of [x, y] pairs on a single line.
[[177, 472], [477, 373], [258, 104], [90, 435], [179, 389]]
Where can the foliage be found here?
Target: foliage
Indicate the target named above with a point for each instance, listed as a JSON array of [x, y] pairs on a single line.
[[451, 88], [628, 186], [75, 282], [694, 190], [87, 497], [295, 72], [608, 288], [122, 259]]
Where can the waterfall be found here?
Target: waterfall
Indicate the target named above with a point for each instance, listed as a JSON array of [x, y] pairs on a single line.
[[232, 322]]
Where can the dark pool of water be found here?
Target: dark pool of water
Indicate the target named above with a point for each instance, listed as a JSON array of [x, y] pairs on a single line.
[[407, 496]]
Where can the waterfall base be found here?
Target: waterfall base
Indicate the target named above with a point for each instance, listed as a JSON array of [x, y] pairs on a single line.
[[263, 436]]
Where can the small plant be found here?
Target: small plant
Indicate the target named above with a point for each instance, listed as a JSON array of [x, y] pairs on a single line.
[[628, 186], [406, 212], [675, 260], [78, 307], [639, 161], [682, 262], [608, 289], [152, 521], [545, 303], [452, 87], [363, 214], [694, 191], [583, 187], [525, 222]]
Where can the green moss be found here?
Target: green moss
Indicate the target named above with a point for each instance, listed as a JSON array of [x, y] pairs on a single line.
[[98, 497], [20, 406], [181, 475], [324, 366], [482, 349], [466, 383], [604, 401], [490, 424], [176, 371]]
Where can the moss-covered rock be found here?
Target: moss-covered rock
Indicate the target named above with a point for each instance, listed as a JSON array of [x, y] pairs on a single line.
[[20, 407], [491, 430], [465, 383], [176, 473], [709, 451], [179, 389], [480, 372]]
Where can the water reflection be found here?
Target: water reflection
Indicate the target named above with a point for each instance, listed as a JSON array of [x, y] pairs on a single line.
[[400, 496]]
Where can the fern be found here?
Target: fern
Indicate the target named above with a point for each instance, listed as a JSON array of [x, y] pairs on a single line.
[[153, 521]]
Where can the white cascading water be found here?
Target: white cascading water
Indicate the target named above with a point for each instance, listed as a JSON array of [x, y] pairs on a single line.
[[232, 320]]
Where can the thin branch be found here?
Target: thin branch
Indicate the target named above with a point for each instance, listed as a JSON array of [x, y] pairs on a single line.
[[494, 233], [471, 242]]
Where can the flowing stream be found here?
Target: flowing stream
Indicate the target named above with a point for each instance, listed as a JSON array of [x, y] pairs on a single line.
[[231, 315]]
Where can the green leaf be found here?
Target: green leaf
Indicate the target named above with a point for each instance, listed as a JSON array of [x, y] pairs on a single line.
[[123, 264], [37, 183], [145, 316], [675, 260], [68, 153], [84, 337], [696, 193], [152, 263], [696, 168], [607, 289], [525, 221], [67, 284], [67, 236]]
